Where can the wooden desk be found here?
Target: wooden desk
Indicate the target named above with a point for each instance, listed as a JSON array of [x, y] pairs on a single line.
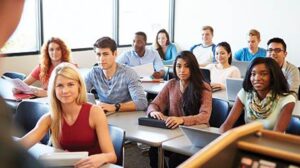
[[182, 145], [39, 149], [148, 135]]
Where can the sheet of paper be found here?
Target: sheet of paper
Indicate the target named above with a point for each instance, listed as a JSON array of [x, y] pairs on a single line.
[[145, 70], [19, 85]]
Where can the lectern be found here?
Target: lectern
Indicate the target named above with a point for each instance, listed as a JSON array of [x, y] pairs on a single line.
[[248, 146]]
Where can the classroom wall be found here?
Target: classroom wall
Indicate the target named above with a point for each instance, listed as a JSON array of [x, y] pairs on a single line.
[[25, 64], [232, 19]]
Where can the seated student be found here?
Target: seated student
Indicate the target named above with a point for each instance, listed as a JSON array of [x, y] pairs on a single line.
[[118, 86], [265, 97], [165, 48], [205, 51], [253, 51], [277, 51], [54, 51], [223, 69], [75, 125], [185, 100], [140, 55]]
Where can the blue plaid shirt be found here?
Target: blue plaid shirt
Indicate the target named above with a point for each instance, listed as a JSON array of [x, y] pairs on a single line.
[[123, 87]]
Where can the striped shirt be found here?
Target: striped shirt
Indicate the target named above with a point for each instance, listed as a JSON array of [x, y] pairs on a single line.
[[124, 86]]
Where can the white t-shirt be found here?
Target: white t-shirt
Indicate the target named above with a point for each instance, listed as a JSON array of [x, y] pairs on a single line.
[[218, 75], [204, 55], [270, 121]]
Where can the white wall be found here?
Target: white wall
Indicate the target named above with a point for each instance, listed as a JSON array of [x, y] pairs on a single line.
[[25, 64], [232, 19]]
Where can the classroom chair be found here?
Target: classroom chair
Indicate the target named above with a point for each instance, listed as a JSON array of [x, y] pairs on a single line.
[[118, 138], [220, 111], [27, 115], [294, 126], [15, 75]]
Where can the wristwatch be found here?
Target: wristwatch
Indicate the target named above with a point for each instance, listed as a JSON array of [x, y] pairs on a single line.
[[117, 105]]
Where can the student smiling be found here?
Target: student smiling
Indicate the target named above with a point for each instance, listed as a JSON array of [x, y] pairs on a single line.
[[265, 97]]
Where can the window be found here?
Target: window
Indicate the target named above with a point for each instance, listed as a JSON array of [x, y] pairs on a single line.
[[79, 23], [24, 39], [146, 16]]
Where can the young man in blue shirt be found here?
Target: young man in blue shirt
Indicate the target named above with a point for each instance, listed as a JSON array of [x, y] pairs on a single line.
[[252, 51], [141, 55], [118, 87]]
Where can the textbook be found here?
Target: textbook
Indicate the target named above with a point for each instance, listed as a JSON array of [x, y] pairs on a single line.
[[58, 159]]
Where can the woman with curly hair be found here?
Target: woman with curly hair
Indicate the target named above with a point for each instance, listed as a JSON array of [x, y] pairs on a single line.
[[53, 52]]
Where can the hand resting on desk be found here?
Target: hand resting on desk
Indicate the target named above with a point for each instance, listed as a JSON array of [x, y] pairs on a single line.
[[171, 121]]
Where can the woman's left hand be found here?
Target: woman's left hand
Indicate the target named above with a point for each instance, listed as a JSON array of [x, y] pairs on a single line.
[[93, 161], [174, 122]]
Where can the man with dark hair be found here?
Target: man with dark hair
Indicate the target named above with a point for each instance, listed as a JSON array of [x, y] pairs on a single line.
[[118, 87], [205, 51], [278, 51], [141, 55]]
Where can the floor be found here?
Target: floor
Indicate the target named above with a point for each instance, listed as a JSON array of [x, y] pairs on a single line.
[[135, 157]]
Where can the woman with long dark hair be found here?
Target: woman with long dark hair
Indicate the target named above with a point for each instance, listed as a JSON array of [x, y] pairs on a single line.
[[265, 97], [185, 100], [164, 47]]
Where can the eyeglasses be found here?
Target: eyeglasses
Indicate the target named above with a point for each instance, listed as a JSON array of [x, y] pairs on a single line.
[[276, 50]]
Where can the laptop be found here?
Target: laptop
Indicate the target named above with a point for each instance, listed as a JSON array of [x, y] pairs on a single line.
[[242, 66], [200, 137], [233, 86], [91, 98]]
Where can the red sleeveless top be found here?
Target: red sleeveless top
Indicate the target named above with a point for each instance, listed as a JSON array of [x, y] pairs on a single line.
[[80, 136]]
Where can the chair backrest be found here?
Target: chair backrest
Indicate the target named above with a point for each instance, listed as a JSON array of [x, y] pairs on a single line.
[[118, 137], [15, 75], [241, 120], [220, 111], [294, 126], [27, 115], [206, 74]]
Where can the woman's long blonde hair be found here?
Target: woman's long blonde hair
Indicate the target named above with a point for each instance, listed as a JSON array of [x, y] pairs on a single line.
[[45, 60], [69, 71]]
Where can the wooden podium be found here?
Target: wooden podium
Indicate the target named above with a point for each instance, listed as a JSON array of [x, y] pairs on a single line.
[[248, 146]]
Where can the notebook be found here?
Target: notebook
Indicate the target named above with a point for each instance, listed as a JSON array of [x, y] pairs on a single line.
[[200, 137], [58, 159], [242, 66], [152, 122], [233, 86]]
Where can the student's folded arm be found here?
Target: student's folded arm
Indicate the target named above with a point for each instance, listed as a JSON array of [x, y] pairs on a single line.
[[233, 116], [136, 92], [284, 117], [127, 106]]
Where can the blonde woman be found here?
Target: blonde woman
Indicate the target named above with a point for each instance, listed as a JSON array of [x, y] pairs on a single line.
[[75, 125], [53, 52]]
